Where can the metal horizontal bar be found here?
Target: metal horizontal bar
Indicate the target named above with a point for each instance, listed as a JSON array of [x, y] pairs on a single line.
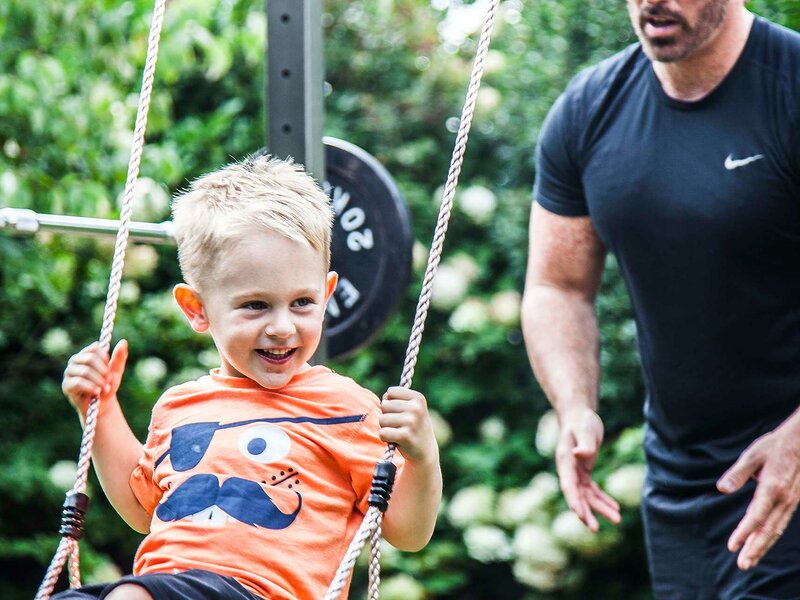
[[28, 222]]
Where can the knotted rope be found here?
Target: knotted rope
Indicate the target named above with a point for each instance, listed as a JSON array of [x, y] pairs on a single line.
[[77, 500], [371, 525]]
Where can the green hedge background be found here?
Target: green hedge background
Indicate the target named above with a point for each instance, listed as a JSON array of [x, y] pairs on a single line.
[[396, 73]]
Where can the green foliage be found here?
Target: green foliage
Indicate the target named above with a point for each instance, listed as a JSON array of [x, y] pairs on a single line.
[[397, 73]]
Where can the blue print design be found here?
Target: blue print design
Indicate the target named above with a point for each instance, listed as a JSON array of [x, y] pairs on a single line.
[[242, 499]]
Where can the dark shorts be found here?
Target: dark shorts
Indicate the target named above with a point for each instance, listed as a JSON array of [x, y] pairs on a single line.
[[194, 585], [687, 535]]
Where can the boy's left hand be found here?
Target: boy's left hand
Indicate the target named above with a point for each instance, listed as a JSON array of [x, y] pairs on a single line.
[[405, 422]]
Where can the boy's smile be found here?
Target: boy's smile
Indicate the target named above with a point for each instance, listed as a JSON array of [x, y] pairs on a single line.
[[264, 306]]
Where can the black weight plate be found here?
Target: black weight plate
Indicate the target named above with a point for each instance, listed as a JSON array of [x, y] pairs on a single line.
[[371, 246]]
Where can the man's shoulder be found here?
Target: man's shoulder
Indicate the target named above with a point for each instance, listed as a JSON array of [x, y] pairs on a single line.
[[607, 74], [776, 48], [775, 54], [779, 35]]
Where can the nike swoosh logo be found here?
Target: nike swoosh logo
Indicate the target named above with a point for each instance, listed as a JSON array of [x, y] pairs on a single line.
[[734, 163]]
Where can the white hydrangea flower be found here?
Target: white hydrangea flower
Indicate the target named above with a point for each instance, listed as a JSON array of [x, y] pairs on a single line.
[[478, 202], [62, 474], [487, 543], [102, 95], [56, 342], [449, 287], [488, 101], [526, 505], [535, 545], [129, 292], [492, 430], [419, 257], [105, 572], [504, 307], [569, 530], [470, 315], [510, 510], [625, 484], [545, 484], [120, 137], [9, 184], [462, 20], [466, 265], [11, 148], [140, 261], [547, 434], [150, 201], [401, 587], [495, 61], [441, 428], [536, 576], [472, 505], [150, 370]]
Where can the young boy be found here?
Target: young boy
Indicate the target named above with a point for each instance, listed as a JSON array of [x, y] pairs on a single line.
[[254, 479]]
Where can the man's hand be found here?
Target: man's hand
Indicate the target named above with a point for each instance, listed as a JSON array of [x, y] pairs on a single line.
[[773, 460], [579, 439]]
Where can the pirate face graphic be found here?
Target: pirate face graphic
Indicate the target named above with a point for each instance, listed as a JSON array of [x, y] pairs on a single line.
[[258, 444]]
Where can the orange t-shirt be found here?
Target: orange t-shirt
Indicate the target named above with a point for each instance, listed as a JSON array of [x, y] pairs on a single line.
[[266, 486]]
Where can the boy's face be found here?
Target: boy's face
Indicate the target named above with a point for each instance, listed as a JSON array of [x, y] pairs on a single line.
[[264, 308]]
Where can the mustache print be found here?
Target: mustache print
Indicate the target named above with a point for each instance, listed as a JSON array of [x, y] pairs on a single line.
[[244, 500]]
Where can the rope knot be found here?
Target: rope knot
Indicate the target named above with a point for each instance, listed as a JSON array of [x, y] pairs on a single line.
[[382, 484], [72, 517]]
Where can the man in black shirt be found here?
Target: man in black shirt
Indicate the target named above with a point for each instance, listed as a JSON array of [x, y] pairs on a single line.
[[681, 155]]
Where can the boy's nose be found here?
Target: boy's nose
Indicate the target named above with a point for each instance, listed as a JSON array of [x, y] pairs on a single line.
[[280, 325]]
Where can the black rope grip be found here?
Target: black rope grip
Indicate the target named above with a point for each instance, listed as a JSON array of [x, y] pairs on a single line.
[[382, 483], [72, 517]]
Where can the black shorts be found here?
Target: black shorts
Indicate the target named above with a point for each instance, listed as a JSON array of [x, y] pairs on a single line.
[[194, 585], [687, 537]]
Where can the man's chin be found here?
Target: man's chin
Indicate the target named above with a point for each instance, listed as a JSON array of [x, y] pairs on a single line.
[[664, 51]]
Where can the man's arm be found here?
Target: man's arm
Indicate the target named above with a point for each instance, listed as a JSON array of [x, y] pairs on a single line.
[[116, 450], [565, 263]]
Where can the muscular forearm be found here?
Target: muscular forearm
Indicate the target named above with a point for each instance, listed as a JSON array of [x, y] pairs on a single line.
[[409, 521], [562, 341], [116, 453]]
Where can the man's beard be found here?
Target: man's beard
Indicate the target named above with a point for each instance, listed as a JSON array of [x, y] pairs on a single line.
[[688, 39]]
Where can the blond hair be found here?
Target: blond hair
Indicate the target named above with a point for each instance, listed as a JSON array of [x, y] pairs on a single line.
[[262, 193]]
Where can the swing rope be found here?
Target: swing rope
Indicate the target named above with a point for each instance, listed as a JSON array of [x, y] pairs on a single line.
[[384, 471], [77, 501]]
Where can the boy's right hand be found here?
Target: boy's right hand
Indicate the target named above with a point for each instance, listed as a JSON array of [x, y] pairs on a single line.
[[90, 373]]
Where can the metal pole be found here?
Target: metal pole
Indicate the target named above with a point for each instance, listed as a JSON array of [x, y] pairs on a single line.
[[295, 74], [28, 222], [294, 82]]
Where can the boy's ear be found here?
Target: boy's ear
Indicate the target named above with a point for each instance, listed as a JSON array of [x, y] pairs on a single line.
[[330, 284], [192, 306]]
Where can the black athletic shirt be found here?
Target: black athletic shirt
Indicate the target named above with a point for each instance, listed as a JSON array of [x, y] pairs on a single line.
[[700, 204]]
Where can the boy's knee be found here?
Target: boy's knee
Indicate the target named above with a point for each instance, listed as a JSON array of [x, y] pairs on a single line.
[[129, 591]]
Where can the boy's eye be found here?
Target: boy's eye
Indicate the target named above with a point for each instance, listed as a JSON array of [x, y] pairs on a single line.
[[301, 302], [255, 305]]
